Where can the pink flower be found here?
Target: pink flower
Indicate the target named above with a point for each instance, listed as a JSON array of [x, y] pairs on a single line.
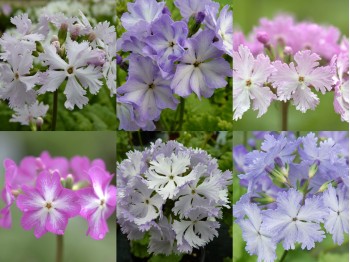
[[249, 76], [294, 81], [15, 177], [98, 202], [48, 206]]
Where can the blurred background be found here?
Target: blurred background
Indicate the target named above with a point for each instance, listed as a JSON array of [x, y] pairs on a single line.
[[247, 15], [18, 245]]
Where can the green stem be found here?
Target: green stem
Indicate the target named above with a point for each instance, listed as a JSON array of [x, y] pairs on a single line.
[[54, 111], [59, 248], [140, 138], [285, 116], [182, 111], [284, 255]]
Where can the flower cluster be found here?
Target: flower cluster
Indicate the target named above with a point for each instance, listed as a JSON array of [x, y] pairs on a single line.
[[297, 189], [51, 190], [58, 52], [289, 61], [167, 58], [173, 194]]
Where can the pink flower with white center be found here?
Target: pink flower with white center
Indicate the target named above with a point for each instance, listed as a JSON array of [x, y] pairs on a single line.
[[249, 77], [294, 81], [17, 83], [79, 73], [98, 202], [48, 206]]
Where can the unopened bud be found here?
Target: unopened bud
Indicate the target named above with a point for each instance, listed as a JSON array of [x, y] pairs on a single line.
[[200, 17], [288, 50], [91, 36], [69, 181], [313, 168], [39, 47], [97, 58], [39, 123], [324, 186], [62, 33], [166, 11], [54, 38], [263, 37], [278, 161]]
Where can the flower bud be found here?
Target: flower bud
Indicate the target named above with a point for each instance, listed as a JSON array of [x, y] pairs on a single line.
[[57, 45], [313, 168], [39, 123], [263, 37], [200, 17], [97, 58], [69, 181], [54, 38], [325, 186], [166, 11], [288, 50], [62, 33]]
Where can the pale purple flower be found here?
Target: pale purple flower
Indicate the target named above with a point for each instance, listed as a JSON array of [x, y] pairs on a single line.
[[147, 89], [190, 8], [260, 241], [80, 75], [17, 82], [249, 77], [29, 113], [141, 14], [337, 221], [48, 206], [201, 69], [294, 221], [295, 81], [223, 27], [238, 154], [24, 37], [98, 202], [167, 41]]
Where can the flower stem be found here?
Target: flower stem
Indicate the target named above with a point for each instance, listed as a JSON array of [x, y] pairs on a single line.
[[285, 116], [182, 111], [284, 255], [59, 248], [54, 111]]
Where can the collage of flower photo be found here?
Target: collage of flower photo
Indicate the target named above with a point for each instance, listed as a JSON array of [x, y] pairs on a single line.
[[174, 131]]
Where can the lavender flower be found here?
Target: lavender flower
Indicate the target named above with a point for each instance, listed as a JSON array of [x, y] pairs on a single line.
[[300, 195], [201, 69]]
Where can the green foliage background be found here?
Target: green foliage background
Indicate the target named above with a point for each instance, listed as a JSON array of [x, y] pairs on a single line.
[[18, 245], [324, 251], [247, 14]]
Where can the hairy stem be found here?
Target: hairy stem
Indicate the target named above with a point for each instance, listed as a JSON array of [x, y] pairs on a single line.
[[284, 255], [285, 116], [59, 248], [54, 111]]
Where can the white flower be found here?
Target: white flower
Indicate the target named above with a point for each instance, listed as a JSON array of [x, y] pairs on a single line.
[[17, 83], [80, 75], [337, 222], [144, 206], [28, 113], [197, 231], [167, 174]]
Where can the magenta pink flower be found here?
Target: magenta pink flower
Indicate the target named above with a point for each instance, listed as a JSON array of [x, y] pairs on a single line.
[[48, 206], [98, 202]]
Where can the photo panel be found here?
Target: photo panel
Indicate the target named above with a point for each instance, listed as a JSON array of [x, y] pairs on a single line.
[[174, 65], [174, 196], [290, 65], [291, 196], [58, 67], [58, 196]]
